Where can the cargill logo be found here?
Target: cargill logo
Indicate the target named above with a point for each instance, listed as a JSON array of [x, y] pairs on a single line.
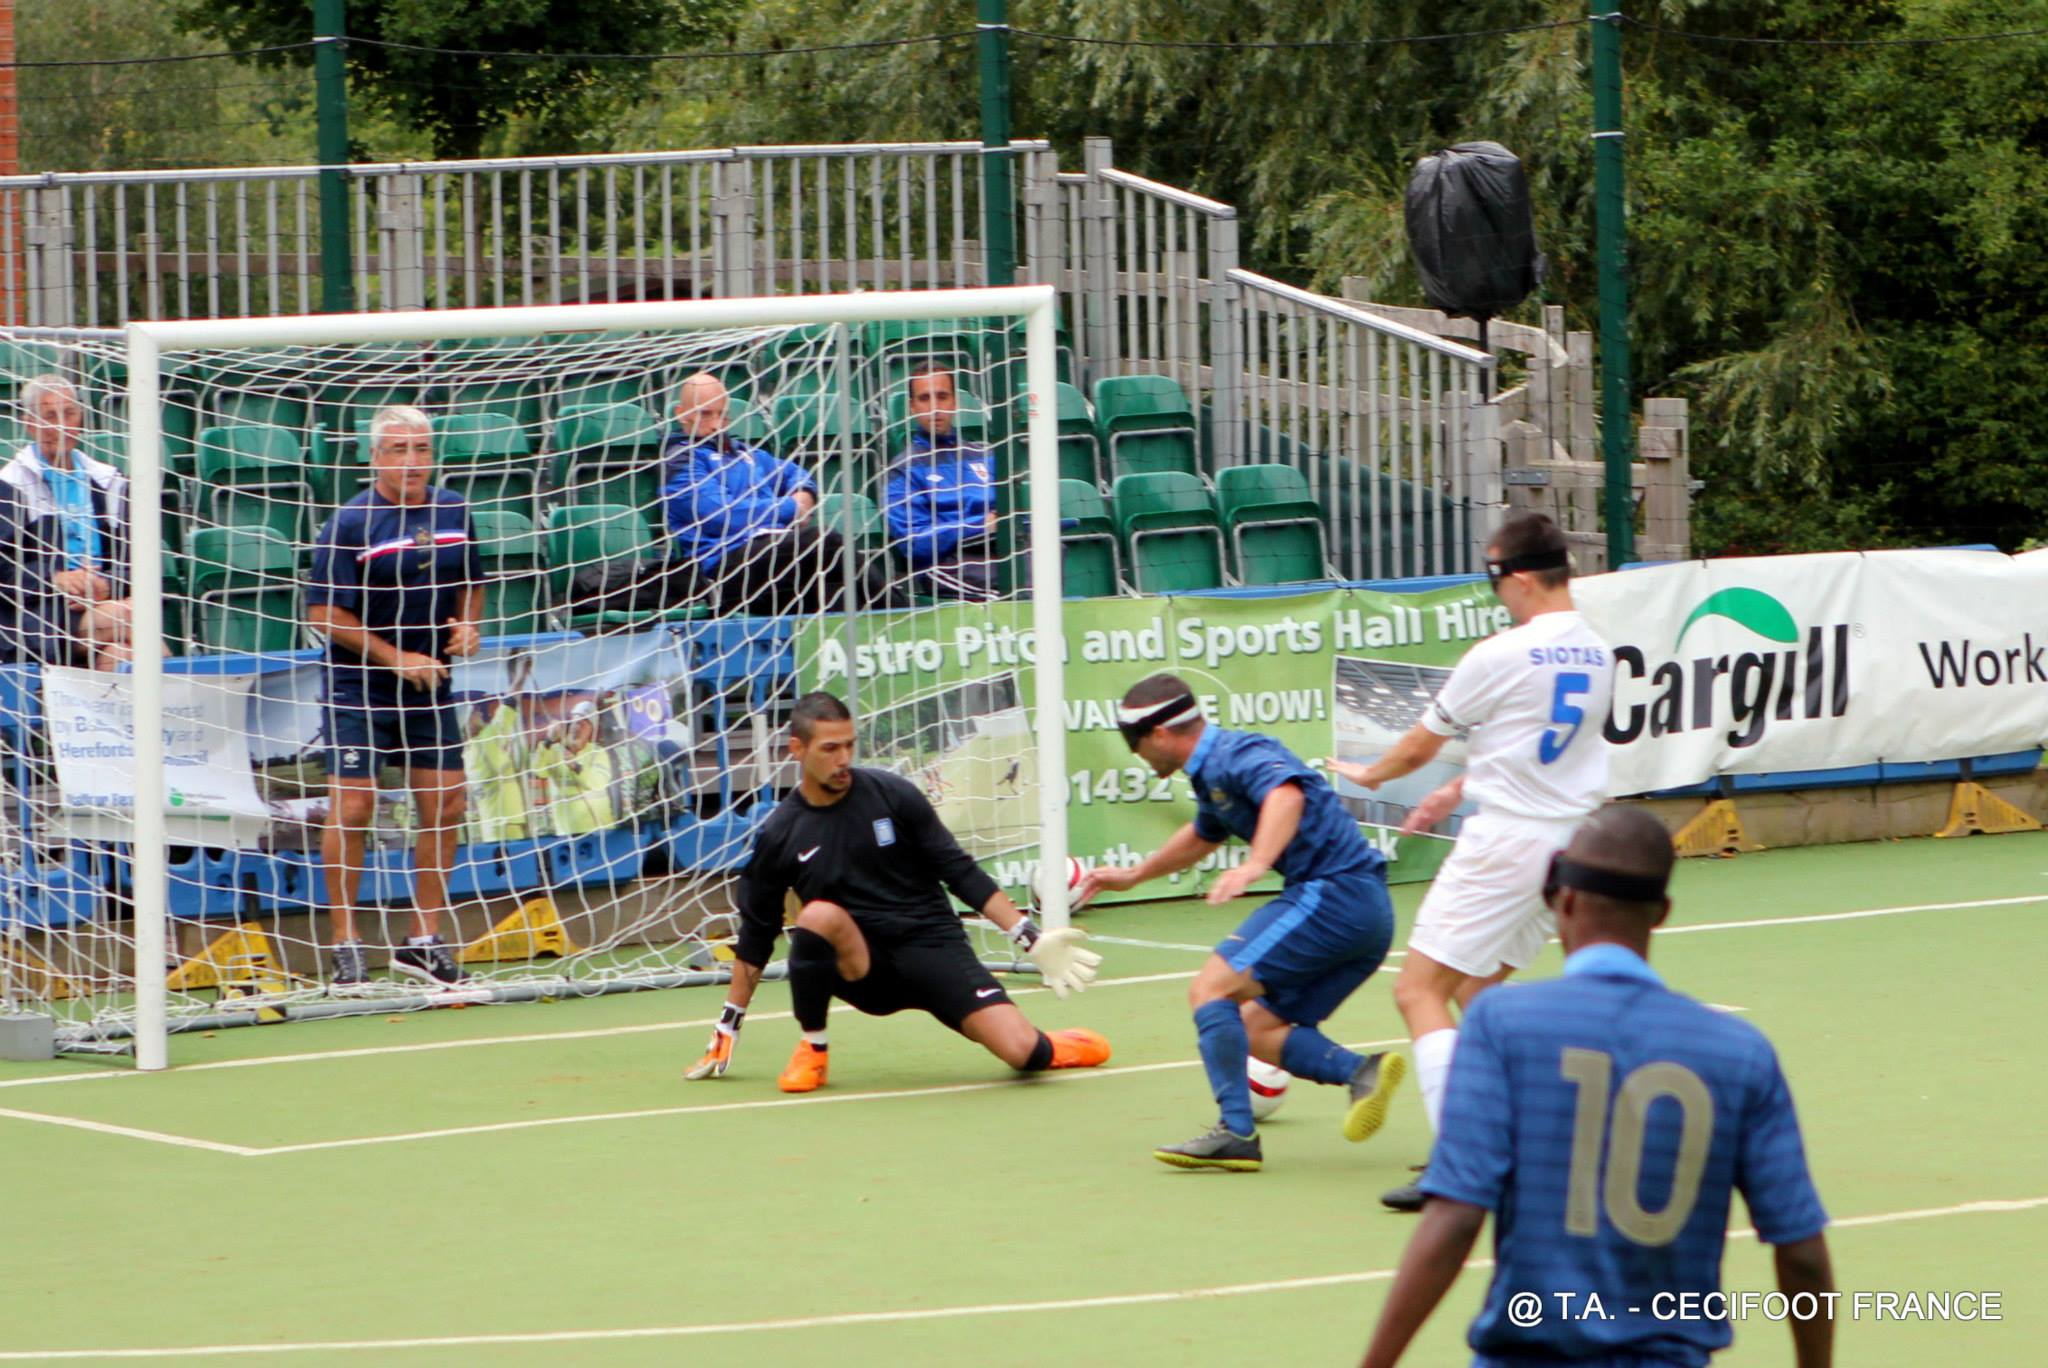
[[1786, 674]]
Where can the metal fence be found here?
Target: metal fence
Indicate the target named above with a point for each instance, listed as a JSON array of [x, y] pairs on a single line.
[[103, 248], [1389, 424], [1384, 421]]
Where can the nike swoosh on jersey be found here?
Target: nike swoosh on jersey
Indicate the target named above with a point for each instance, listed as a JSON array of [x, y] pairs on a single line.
[[805, 858], [986, 992]]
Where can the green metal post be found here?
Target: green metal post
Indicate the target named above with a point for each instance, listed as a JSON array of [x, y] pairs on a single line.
[[1610, 214], [330, 78], [999, 254], [998, 192]]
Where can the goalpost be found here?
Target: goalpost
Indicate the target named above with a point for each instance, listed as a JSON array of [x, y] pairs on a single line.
[[622, 722]]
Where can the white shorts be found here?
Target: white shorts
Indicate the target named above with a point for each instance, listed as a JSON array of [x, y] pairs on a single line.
[[1485, 911]]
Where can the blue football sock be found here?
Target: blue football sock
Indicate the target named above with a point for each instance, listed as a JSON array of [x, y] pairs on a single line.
[[1219, 1031], [1308, 1053]]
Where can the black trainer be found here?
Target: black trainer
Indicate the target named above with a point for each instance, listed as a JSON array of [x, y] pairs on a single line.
[[351, 970], [433, 963], [1216, 1148], [1408, 1197]]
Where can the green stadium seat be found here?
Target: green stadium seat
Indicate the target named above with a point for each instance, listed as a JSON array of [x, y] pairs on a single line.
[[1275, 524], [513, 557], [1146, 425], [747, 423], [1080, 448], [518, 400], [807, 430], [1063, 340], [487, 457], [856, 517], [1172, 532], [288, 405], [255, 475], [354, 382], [581, 536], [1089, 559], [610, 454], [244, 584], [893, 349]]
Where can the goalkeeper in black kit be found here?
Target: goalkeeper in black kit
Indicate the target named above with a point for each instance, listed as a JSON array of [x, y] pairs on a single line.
[[869, 861]]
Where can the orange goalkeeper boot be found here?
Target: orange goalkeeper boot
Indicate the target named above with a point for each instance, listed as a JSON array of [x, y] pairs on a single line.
[[1077, 1048], [806, 1071]]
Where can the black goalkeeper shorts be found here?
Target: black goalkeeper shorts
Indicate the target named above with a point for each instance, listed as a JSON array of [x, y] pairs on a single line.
[[936, 973]]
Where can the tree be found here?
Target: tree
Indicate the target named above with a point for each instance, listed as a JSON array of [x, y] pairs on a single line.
[[145, 115], [427, 64]]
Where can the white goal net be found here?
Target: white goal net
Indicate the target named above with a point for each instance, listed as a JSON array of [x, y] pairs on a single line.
[[367, 663]]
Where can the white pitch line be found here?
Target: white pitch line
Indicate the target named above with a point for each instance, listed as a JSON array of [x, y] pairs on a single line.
[[1152, 944], [1664, 931], [600, 1032], [865, 1318], [532, 1038], [755, 1104], [130, 1132]]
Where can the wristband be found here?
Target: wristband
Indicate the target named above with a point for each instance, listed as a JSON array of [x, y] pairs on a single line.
[[1024, 934], [730, 1018]]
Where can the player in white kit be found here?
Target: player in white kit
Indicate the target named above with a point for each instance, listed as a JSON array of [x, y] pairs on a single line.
[[1532, 702]]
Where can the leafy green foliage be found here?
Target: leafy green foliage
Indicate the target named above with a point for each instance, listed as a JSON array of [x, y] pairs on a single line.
[[564, 103], [1838, 253]]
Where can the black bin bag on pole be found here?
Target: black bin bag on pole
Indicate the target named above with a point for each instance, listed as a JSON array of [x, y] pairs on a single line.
[[1472, 231]]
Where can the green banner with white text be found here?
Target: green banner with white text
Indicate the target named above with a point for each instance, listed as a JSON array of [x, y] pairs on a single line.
[[942, 694]]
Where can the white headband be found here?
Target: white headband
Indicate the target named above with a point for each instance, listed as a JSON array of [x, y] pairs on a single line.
[[1126, 715]]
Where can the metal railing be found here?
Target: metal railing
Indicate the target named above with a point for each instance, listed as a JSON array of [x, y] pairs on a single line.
[[1385, 422], [1380, 418], [1390, 424], [100, 249]]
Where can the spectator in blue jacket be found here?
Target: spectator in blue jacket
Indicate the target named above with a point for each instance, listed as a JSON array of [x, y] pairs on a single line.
[[64, 596], [740, 517], [939, 497]]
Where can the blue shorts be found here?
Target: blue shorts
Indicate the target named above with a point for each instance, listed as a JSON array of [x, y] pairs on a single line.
[[1313, 945], [363, 736]]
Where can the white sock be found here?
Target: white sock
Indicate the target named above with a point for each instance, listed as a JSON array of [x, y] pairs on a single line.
[[815, 1039], [1433, 1070]]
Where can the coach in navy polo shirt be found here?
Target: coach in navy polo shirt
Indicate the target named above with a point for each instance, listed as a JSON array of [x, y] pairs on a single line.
[[397, 587]]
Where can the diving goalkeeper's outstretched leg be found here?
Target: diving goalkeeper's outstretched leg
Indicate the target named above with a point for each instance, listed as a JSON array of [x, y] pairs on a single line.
[[871, 861]]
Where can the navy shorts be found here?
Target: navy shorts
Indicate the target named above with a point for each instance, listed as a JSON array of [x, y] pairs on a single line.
[[362, 737], [1313, 945]]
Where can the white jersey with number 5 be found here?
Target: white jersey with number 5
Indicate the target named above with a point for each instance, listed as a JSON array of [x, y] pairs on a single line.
[[1534, 700]]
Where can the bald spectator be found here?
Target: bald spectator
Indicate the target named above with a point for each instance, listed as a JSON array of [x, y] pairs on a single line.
[[63, 541], [741, 517]]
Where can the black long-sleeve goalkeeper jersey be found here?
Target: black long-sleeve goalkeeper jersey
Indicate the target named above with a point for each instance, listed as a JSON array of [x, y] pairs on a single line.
[[880, 852]]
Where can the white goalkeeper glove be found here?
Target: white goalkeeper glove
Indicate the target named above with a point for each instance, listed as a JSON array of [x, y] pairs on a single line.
[[718, 1054], [1062, 963]]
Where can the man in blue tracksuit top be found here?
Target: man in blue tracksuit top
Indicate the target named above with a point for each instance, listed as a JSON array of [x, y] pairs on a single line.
[[740, 517], [397, 586], [1272, 981], [1606, 1121], [939, 498]]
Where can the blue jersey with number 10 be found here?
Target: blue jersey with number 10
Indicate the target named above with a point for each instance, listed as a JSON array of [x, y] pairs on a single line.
[[1606, 1121]]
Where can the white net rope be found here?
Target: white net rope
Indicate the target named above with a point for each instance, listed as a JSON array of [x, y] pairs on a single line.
[[660, 538]]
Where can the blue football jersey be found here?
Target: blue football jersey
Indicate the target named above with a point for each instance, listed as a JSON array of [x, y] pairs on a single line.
[[1233, 771], [1606, 1121]]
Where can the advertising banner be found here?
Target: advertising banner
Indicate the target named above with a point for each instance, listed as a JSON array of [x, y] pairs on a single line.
[[1770, 665], [207, 779], [1344, 670]]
